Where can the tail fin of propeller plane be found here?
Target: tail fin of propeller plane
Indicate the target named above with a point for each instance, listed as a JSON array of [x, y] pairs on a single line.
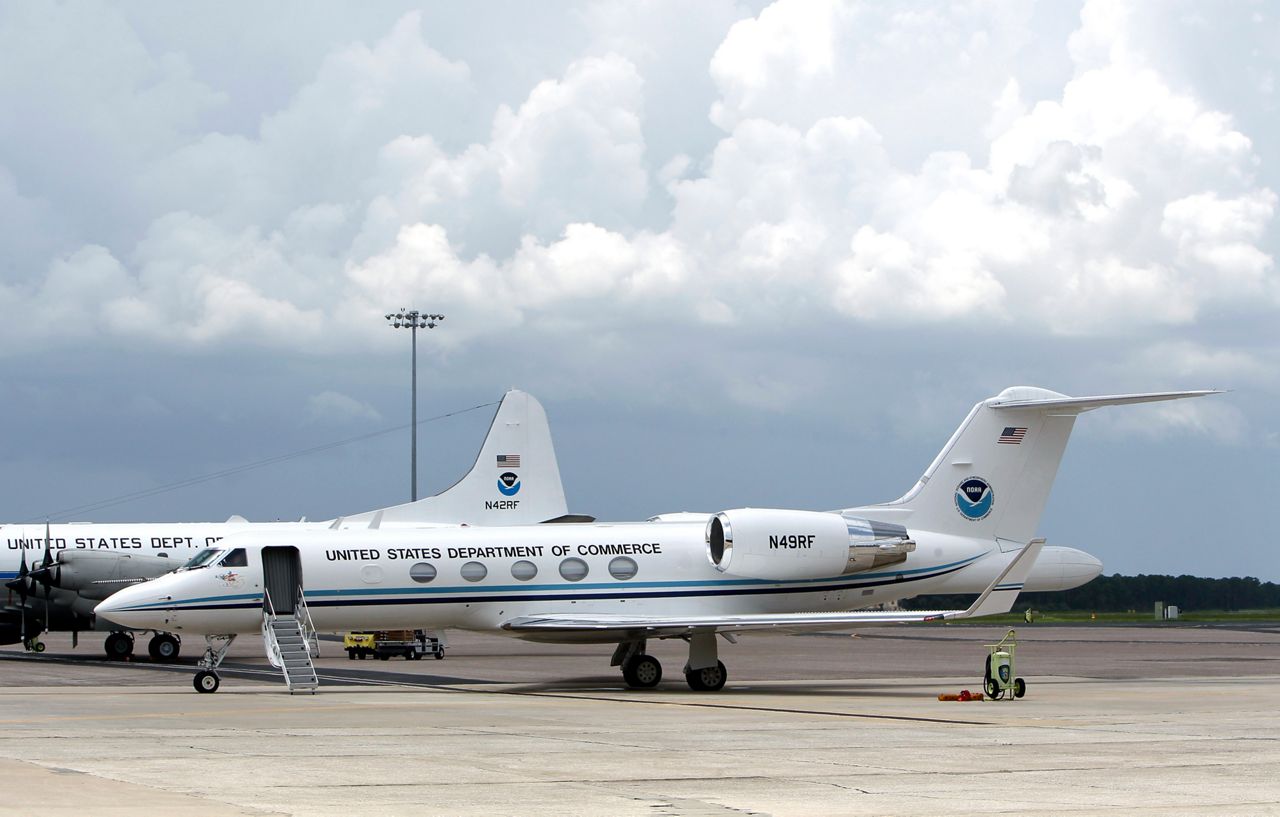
[[515, 479], [992, 479]]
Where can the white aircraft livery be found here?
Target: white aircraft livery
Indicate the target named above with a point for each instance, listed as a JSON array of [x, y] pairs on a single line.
[[71, 567], [968, 526]]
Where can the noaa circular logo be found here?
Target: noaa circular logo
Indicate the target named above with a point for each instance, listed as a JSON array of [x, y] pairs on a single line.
[[509, 484], [974, 498]]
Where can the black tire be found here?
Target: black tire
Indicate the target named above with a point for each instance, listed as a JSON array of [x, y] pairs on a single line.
[[642, 671], [164, 648], [1019, 687], [707, 679], [119, 646], [439, 654], [411, 655], [382, 656], [206, 681], [38, 647], [991, 688]]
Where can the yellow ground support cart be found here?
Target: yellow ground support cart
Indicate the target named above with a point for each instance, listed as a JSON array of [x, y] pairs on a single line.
[[359, 645]]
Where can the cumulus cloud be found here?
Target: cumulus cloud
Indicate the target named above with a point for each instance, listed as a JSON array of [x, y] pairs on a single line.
[[1118, 204], [697, 209]]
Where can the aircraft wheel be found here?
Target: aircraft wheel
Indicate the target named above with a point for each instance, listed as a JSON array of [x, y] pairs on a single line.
[[206, 681], [164, 647], [707, 679], [642, 671], [1019, 687], [119, 646]]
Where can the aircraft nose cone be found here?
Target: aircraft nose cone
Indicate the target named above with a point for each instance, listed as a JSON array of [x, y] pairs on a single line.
[[135, 607]]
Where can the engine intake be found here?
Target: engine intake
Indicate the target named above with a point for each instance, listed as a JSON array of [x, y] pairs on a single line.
[[781, 545]]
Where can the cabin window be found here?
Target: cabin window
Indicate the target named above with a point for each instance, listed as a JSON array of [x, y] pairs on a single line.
[[623, 568], [524, 570], [236, 558], [422, 572], [575, 570], [474, 571]]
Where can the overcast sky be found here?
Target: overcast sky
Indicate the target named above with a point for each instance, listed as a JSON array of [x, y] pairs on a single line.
[[744, 253]]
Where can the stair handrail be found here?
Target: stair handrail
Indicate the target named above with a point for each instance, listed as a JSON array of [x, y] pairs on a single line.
[[309, 634], [268, 632]]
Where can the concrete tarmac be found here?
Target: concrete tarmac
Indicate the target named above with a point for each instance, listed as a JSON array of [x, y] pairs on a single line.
[[1117, 720]]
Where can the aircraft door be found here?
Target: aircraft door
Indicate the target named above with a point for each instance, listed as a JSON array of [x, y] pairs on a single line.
[[282, 576]]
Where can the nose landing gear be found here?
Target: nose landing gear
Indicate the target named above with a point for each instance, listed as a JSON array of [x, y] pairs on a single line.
[[216, 646]]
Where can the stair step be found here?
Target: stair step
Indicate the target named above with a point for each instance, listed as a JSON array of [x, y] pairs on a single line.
[[294, 651]]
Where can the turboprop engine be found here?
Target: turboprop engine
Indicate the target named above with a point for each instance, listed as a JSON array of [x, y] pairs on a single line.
[[763, 543], [96, 574]]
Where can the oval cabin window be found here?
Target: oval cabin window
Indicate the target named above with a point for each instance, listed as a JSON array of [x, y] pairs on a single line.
[[575, 570], [422, 572], [623, 568], [474, 571], [524, 570]]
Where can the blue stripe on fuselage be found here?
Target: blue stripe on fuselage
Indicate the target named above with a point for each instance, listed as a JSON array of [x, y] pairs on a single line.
[[360, 597]]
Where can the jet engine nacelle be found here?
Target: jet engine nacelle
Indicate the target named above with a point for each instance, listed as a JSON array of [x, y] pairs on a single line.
[[762, 543]]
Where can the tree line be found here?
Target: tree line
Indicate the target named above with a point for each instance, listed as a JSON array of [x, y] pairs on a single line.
[[1117, 594]]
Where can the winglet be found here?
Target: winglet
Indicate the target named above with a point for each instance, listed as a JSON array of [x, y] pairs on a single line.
[[1003, 592]]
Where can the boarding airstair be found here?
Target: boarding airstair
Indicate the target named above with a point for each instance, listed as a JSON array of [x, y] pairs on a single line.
[[291, 642]]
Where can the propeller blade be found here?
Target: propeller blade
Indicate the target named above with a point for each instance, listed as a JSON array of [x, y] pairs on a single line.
[[48, 587], [19, 583], [48, 542]]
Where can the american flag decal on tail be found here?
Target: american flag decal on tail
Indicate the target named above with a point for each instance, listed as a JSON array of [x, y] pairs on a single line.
[[508, 460], [1012, 436]]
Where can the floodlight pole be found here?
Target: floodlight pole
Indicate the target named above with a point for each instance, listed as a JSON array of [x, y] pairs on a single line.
[[413, 320]]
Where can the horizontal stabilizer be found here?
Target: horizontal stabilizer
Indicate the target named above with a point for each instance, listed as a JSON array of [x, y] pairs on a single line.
[[1080, 404]]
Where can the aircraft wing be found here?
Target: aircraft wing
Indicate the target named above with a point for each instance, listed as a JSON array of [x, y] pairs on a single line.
[[996, 599]]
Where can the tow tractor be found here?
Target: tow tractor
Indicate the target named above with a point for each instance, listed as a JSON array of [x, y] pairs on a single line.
[[383, 644]]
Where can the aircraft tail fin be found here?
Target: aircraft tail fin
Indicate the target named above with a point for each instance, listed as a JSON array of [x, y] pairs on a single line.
[[514, 481], [993, 477]]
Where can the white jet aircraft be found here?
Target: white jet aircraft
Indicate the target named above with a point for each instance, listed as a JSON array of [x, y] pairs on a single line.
[[514, 481], [967, 526]]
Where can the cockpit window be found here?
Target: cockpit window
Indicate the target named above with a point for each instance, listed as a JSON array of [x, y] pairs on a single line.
[[236, 558], [202, 559]]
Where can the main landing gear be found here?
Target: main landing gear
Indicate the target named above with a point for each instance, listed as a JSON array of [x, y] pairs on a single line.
[[163, 647], [704, 672], [215, 650], [119, 646]]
